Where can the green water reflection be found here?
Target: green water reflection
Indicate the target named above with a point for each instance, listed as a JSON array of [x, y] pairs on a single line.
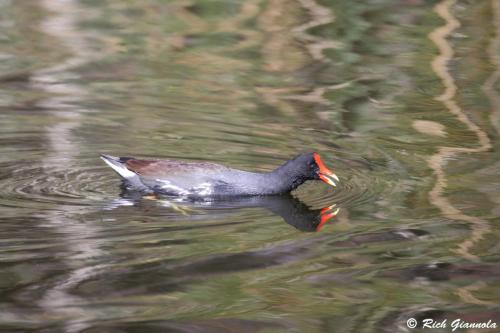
[[399, 97]]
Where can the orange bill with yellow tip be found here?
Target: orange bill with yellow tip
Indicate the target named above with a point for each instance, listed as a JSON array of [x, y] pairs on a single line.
[[324, 173]]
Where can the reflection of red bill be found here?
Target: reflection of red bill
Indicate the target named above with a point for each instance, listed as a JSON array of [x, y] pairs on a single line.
[[327, 214]]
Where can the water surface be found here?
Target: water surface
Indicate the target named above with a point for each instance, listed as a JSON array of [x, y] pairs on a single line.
[[399, 97]]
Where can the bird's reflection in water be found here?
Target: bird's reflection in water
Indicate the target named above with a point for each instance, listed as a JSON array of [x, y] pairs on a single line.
[[290, 209]]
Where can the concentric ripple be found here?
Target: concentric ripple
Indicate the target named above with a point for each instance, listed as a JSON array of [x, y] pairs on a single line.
[[29, 184], [248, 84], [357, 186]]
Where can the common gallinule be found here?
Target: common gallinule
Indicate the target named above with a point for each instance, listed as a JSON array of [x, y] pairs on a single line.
[[203, 179]]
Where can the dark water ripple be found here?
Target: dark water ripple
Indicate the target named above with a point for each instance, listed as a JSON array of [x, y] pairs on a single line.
[[358, 185], [247, 84], [29, 184]]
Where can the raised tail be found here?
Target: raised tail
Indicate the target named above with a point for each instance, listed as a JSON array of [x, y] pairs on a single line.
[[118, 164]]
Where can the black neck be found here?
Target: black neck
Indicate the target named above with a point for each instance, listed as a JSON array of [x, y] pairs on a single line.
[[287, 177]]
